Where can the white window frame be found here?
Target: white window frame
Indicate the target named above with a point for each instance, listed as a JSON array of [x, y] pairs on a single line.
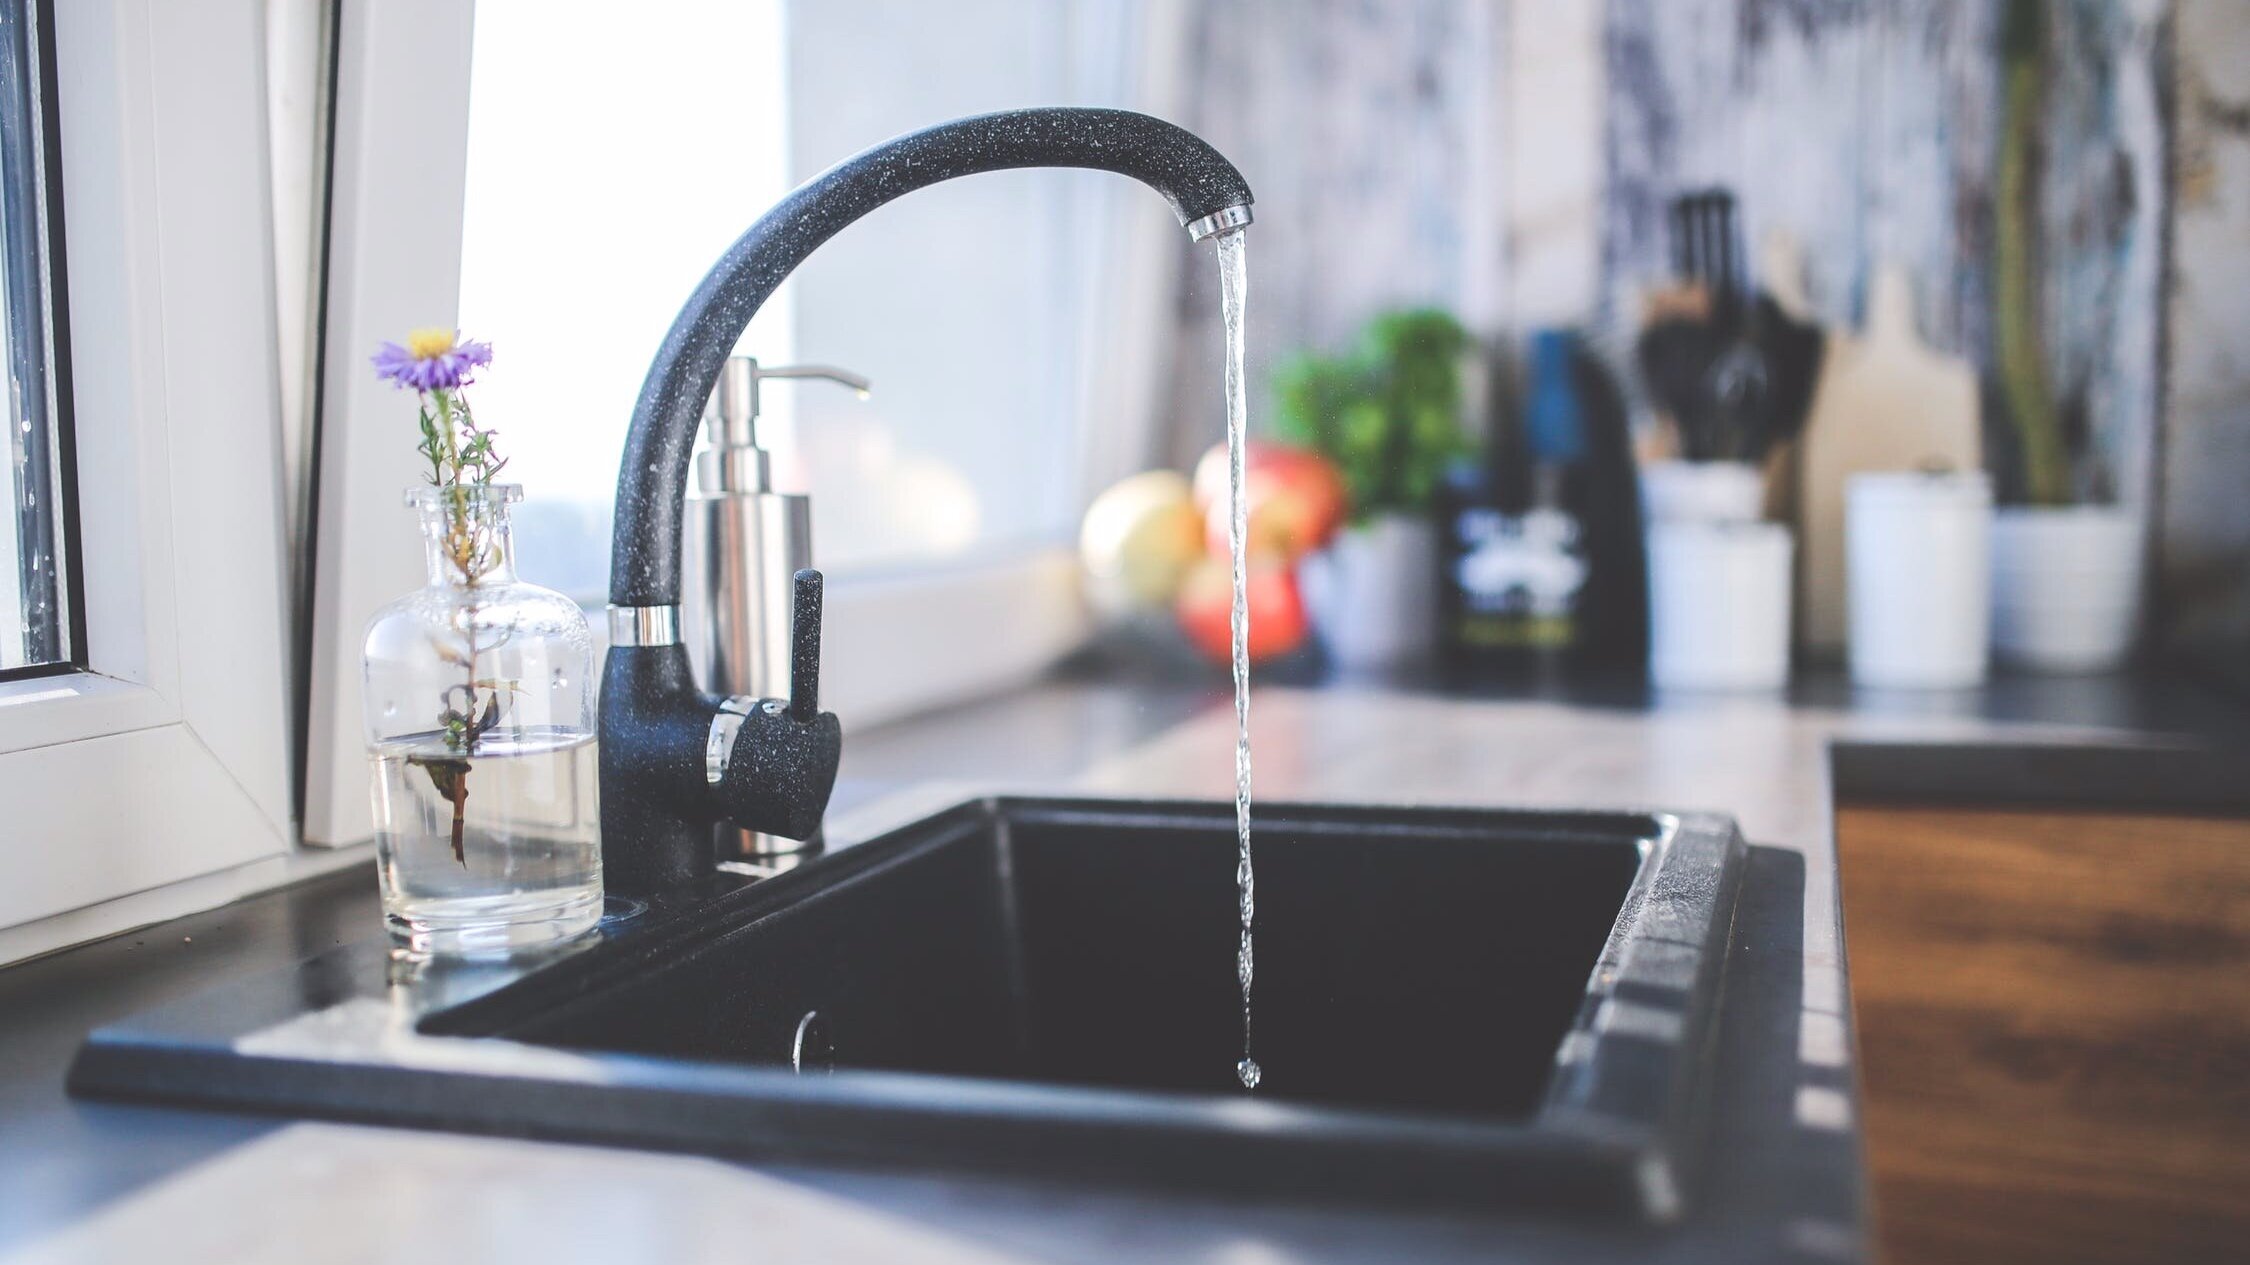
[[396, 179], [402, 97], [157, 780]]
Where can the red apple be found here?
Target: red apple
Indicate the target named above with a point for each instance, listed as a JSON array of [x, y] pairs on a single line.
[[1277, 609], [1296, 498], [1270, 537]]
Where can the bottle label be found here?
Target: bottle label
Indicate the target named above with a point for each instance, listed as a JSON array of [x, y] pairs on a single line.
[[1519, 576]]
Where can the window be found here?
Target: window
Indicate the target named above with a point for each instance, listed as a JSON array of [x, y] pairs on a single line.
[[36, 599], [558, 182], [147, 770], [587, 220], [590, 217]]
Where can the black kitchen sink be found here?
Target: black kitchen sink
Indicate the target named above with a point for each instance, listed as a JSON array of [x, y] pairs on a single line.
[[1493, 1006]]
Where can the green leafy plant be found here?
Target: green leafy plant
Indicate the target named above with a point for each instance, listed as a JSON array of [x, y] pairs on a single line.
[[1387, 413]]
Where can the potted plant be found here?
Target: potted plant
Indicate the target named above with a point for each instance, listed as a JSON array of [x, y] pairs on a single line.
[[2066, 559], [1387, 415]]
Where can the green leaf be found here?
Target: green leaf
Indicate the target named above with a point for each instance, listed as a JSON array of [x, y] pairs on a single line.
[[1387, 414]]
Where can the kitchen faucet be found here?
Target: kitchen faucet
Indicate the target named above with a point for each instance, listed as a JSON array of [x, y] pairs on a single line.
[[676, 761]]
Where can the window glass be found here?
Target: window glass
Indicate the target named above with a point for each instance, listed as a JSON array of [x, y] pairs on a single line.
[[610, 163], [960, 301], [35, 628]]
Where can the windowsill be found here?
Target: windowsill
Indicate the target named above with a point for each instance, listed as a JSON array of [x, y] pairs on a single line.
[[46, 711], [990, 558], [65, 683], [985, 623]]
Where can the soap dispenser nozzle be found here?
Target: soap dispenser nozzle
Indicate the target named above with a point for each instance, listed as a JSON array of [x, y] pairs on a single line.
[[732, 422]]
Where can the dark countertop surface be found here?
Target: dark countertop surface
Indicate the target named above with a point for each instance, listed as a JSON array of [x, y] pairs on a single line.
[[95, 1181]]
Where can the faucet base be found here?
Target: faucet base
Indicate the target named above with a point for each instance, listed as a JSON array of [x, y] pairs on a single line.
[[736, 844], [663, 793]]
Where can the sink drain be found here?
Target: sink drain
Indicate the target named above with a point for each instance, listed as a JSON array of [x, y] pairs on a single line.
[[811, 1050]]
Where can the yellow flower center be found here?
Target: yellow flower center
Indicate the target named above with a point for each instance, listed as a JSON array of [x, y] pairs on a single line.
[[429, 344]]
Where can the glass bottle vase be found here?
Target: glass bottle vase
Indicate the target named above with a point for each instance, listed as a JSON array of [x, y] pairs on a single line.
[[479, 699]]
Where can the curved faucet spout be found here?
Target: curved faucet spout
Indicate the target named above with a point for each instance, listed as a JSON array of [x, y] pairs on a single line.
[[1205, 190], [674, 760]]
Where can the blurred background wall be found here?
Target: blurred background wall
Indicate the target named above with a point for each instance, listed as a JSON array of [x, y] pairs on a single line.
[[1512, 161], [2204, 510], [1036, 336]]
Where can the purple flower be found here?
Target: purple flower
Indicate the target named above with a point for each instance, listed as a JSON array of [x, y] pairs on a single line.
[[431, 360]]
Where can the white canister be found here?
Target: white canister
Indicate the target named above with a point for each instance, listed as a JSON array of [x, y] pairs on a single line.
[[1918, 564], [1719, 605], [1702, 492]]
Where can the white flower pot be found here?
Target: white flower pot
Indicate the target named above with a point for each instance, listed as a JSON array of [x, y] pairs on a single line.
[[1373, 592], [2066, 587]]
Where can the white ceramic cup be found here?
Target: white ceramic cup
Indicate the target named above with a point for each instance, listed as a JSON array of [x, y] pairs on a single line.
[[1719, 605], [1918, 550]]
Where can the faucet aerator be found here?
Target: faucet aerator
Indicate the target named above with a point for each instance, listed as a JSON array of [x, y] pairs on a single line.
[[1225, 221]]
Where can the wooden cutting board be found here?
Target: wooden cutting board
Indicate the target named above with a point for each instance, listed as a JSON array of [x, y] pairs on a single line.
[[1885, 401]]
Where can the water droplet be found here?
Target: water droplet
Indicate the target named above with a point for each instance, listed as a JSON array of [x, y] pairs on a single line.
[[1248, 1070]]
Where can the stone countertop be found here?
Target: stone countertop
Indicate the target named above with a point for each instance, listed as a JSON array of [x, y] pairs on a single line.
[[97, 1181]]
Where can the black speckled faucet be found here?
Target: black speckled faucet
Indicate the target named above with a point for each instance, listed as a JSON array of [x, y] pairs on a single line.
[[675, 760]]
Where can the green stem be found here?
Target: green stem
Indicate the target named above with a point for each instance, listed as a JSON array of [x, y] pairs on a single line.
[[445, 427], [2021, 347]]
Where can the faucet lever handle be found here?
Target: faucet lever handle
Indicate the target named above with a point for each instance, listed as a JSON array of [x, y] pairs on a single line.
[[804, 645]]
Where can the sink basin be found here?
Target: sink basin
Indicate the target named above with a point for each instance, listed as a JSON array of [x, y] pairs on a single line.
[[1492, 1006]]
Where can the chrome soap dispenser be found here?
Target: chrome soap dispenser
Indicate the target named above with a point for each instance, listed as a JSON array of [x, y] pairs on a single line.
[[745, 543]]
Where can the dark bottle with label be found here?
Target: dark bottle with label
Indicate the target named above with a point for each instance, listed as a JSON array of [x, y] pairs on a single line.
[[1541, 553]]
